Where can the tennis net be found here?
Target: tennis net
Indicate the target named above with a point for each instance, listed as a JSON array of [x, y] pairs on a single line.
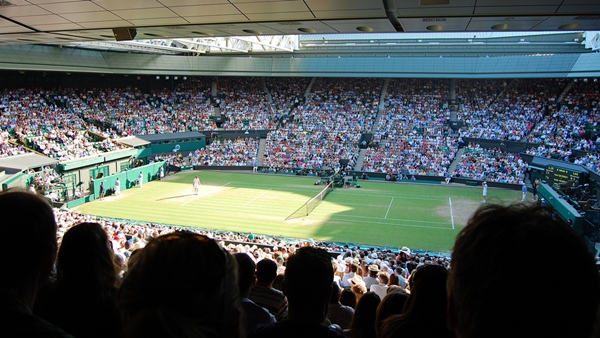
[[312, 203]]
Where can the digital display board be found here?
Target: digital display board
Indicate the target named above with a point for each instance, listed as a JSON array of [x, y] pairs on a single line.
[[557, 175]]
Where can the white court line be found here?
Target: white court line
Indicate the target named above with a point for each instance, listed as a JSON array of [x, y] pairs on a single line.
[[197, 196], [451, 212], [257, 197], [388, 210], [342, 218]]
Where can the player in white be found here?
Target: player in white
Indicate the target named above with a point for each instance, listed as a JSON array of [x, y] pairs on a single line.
[[197, 185], [141, 179], [484, 184]]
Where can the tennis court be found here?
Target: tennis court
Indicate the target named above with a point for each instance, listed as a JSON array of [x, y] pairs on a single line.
[[420, 216]]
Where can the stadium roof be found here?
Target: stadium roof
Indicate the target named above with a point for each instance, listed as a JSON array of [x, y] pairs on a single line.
[[26, 161], [142, 140], [61, 21], [143, 36]]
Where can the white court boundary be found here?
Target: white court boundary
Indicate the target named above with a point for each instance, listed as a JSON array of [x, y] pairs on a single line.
[[413, 223], [451, 211]]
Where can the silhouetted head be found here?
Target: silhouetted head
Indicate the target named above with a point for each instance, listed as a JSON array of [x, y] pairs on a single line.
[[492, 295]]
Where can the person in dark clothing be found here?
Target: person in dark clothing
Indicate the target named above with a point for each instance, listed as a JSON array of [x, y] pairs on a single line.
[[29, 226], [307, 285], [82, 299], [481, 304], [254, 314]]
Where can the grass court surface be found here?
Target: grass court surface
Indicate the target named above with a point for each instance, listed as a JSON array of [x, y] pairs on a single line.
[[420, 216]]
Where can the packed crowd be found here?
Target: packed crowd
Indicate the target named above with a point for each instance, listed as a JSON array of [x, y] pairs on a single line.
[[287, 149], [286, 93], [409, 126], [492, 165], [515, 111], [117, 279], [51, 122], [244, 102], [412, 135], [327, 127], [237, 152], [8, 148]]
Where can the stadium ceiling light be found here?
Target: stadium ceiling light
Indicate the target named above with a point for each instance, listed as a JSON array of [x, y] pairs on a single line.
[[500, 27], [201, 33], [252, 31], [435, 28], [157, 77], [365, 29], [569, 26]]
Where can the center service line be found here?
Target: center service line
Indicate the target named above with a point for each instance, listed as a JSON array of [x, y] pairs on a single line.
[[257, 197], [389, 207]]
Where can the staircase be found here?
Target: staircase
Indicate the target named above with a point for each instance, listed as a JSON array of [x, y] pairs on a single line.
[[380, 109], [262, 144], [360, 159], [457, 158], [564, 92]]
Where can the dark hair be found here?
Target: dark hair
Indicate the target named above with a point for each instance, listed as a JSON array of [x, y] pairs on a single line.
[[424, 313], [246, 272], [348, 298], [278, 282], [85, 262], [485, 304], [29, 226], [82, 299], [308, 277], [185, 275], [335, 293], [394, 280], [266, 270], [363, 322], [391, 304]]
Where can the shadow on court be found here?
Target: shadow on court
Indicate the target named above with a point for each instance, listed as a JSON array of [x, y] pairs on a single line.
[[173, 197]]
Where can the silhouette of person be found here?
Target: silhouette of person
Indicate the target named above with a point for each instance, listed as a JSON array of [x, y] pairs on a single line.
[[307, 285], [182, 285], [29, 227], [483, 300], [82, 299]]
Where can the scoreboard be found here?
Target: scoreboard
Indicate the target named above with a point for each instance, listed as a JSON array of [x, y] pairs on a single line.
[[557, 175]]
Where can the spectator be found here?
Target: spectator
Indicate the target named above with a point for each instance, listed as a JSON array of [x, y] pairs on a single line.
[[159, 298], [29, 225], [263, 293], [424, 314], [371, 278], [336, 312], [253, 313], [480, 303], [82, 300], [363, 323], [308, 281], [381, 288], [391, 304], [348, 298], [358, 286]]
